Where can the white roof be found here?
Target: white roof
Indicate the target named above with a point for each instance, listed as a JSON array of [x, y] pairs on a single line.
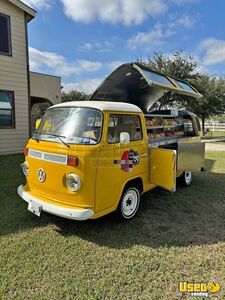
[[101, 105]]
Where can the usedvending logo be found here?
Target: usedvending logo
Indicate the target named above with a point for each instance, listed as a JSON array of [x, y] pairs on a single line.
[[128, 160], [200, 289]]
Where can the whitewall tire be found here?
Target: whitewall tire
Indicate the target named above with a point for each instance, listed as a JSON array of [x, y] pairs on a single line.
[[129, 203]]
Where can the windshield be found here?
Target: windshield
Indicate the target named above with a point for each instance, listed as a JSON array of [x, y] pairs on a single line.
[[73, 125]]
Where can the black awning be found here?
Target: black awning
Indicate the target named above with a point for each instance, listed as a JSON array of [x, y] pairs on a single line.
[[136, 84]]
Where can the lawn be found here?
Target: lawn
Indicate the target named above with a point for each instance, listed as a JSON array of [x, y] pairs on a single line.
[[213, 135], [175, 236]]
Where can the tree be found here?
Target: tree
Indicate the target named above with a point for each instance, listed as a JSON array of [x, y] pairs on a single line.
[[178, 65], [213, 101], [184, 67], [37, 112], [74, 96]]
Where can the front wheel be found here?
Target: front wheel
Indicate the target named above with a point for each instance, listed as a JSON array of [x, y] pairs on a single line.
[[129, 203], [185, 179]]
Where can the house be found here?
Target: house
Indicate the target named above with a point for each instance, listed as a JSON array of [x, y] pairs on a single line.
[[20, 89]]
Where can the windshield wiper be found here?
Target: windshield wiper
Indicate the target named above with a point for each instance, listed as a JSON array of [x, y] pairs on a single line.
[[59, 137], [35, 137]]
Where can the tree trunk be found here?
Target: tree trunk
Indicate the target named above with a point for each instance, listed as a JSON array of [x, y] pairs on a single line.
[[203, 125]]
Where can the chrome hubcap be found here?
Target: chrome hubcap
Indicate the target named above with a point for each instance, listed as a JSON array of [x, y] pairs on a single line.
[[129, 203]]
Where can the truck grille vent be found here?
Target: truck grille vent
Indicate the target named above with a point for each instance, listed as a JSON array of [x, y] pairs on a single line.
[[51, 157], [61, 159], [33, 153]]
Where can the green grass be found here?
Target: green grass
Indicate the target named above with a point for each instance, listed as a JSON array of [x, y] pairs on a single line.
[[175, 236], [213, 135]]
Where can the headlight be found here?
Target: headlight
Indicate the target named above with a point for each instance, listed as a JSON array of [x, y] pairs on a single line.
[[73, 182], [25, 168]]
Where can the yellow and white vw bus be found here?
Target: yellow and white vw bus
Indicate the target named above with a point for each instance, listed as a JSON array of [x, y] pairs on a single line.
[[90, 158]]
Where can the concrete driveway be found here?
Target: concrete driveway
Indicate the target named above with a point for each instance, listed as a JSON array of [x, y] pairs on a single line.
[[215, 147]]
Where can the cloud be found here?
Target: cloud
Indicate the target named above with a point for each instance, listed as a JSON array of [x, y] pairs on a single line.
[[201, 68], [86, 47], [90, 85], [184, 21], [117, 11], [104, 46], [160, 33], [153, 38], [213, 51], [114, 64], [58, 64], [39, 4], [86, 86], [181, 2], [127, 12]]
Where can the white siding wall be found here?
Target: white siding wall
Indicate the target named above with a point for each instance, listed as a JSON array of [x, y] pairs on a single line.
[[13, 77]]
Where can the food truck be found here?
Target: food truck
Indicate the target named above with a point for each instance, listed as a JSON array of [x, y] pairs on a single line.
[[91, 158]]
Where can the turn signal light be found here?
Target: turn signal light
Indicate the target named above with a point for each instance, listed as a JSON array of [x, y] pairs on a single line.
[[25, 151], [72, 161]]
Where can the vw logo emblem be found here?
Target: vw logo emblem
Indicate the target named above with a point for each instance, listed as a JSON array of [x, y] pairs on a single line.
[[41, 175]]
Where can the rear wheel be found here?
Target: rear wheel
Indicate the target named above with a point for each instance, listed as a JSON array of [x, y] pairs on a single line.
[[185, 179], [129, 203]]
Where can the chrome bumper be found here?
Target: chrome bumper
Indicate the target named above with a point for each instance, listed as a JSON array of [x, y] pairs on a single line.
[[68, 213]]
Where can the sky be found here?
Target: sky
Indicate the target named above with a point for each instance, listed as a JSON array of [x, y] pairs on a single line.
[[84, 40]]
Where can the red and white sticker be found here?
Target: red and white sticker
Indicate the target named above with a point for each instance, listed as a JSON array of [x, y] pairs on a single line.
[[128, 160]]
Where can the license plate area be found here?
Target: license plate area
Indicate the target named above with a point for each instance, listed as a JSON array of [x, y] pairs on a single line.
[[35, 208]]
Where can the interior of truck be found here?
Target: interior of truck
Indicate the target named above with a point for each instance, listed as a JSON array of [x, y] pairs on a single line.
[[168, 126]]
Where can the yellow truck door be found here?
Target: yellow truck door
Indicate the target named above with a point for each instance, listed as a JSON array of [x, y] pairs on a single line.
[[163, 168], [117, 163]]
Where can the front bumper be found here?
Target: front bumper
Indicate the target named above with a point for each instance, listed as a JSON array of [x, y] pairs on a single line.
[[68, 213]]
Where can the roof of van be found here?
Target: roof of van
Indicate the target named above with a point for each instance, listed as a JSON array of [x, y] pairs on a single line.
[[101, 105]]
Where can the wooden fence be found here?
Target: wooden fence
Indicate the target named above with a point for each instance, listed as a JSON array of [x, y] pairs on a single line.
[[215, 126]]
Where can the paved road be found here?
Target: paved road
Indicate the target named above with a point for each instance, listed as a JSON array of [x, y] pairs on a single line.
[[215, 147], [215, 140]]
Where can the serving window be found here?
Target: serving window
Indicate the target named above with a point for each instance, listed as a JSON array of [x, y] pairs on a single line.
[[169, 125]]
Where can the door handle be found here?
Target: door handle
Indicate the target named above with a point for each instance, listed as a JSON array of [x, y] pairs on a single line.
[[143, 154]]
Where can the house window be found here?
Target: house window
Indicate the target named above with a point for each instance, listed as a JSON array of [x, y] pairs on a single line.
[[7, 109], [5, 35]]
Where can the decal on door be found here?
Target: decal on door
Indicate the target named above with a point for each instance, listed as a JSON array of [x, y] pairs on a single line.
[[128, 160]]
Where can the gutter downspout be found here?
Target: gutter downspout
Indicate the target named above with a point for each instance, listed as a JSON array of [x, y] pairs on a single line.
[[28, 74]]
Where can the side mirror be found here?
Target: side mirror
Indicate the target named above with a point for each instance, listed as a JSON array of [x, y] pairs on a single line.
[[38, 121], [124, 138]]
